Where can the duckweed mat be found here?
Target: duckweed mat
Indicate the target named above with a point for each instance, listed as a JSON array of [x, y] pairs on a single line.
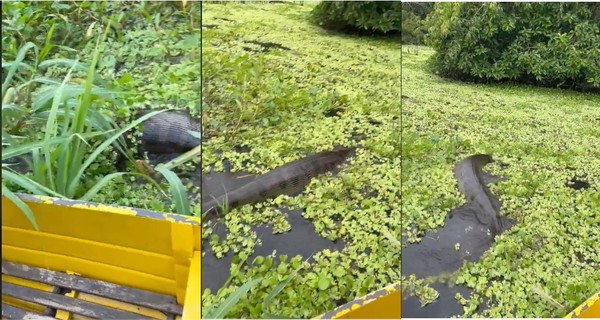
[[277, 88], [546, 143]]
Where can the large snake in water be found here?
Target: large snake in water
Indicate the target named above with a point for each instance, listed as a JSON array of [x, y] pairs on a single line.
[[468, 174], [168, 132], [288, 179]]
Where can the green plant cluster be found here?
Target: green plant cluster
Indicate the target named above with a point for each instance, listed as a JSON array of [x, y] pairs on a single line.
[[548, 44], [62, 79], [413, 21], [285, 104], [541, 139], [370, 16]]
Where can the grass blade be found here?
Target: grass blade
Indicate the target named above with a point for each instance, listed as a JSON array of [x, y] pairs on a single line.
[[52, 128], [75, 170], [222, 309], [189, 155], [177, 189], [546, 297], [92, 157], [69, 63], [26, 183], [278, 288], [15, 64], [100, 184], [19, 149]]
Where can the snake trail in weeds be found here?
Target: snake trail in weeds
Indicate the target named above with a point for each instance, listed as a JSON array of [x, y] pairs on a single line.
[[468, 232], [288, 179]]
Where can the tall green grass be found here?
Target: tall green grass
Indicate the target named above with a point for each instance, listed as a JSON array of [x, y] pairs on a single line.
[[74, 136]]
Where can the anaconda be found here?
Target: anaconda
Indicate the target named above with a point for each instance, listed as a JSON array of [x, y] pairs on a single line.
[[288, 179], [468, 174], [168, 132]]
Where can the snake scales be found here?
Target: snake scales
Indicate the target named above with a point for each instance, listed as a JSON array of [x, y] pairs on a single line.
[[167, 132], [288, 179]]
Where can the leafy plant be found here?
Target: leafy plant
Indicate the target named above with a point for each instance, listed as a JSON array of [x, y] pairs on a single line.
[[299, 102], [548, 44], [413, 18], [538, 155], [224, 308], [373, 16], [220, 311], [59, 162]]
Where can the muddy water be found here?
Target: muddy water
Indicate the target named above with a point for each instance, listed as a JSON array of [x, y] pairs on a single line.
[[438, 254], [301, 240]]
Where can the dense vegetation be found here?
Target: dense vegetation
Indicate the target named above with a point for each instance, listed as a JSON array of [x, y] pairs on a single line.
[[278, 88], [546, 142], [74, 76], [281, 88], [548, 44], [413, 21], [375, 17]]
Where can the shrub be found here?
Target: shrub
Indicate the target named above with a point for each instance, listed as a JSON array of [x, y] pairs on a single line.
[[548, 44], [413, 13], [411, 28], [376, 17]]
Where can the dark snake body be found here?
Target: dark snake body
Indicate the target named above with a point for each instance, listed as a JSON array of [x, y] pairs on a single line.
[[167, 132], [288, 179], [468, 174], [163, 134]]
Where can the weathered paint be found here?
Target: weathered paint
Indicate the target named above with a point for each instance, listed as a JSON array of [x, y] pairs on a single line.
[[380, 306], [139, 248], [589, 309], [172, 217], [385, 301]]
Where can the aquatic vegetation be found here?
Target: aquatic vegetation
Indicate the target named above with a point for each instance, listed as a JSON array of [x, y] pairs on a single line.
[[299, 91], [542, 140]]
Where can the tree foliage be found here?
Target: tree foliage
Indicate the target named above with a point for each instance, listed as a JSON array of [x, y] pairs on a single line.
[[377, 17], [548, 44], [413, 14]]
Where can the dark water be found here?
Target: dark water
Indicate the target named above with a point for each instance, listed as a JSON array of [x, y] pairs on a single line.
[[300, 240], [436, 253], [444, 307]]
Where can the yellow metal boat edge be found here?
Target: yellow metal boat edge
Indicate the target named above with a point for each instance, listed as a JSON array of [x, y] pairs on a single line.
[[112, 208], [589, 309], [154, 251], [381, 304], [191, 305]]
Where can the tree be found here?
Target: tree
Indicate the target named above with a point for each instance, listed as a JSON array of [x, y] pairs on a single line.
[[375, 17], [548, 44]]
